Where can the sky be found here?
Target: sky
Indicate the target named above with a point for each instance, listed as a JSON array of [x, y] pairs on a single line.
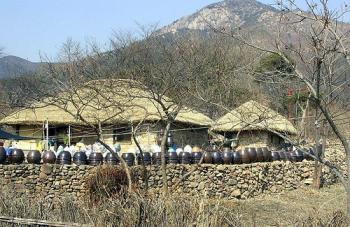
[[29, 28]]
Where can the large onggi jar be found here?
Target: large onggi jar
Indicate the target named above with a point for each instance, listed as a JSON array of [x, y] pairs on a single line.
[[64, 158], [16, 156], [34, 157], [129, 158], [95, 159], [80, 158], [49, 157], [110, 159]]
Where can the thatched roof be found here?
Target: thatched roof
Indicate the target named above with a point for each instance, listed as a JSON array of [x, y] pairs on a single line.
[[253, 116], [105, 101]]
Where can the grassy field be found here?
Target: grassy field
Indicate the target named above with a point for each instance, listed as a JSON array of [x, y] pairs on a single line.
[[302, 207]]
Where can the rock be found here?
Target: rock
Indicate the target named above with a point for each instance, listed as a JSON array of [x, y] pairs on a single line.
[[47, 169], [236, 193], [308, 181], [42, 176], [201, 185]]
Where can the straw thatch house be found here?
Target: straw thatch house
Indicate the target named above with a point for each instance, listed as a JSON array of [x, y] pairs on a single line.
[[116, 105], [254, 125]]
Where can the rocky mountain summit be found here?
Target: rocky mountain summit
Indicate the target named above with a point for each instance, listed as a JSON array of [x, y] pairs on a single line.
[[227, 14]]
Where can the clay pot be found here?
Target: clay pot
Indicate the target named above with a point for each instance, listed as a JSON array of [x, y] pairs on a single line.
[[16, 156], [185, 158], [253, 156], [147, 158], [196, 157], [259, 155], [275, 156], [129, 158], [34, 157], [282, 155], [2, 155], [208, 158], [156, 158], [64, 158], [289, 156], [267, 154], [80, 158], [173, 158], [111, 160], [227, 156], [217, 158], [299, 155], [245, 156], [95, 159], [49, 157], [236, 157], [170, 140]]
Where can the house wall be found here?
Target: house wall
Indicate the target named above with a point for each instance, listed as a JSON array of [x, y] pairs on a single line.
[[258, 139], [147, 135], [26, 131]]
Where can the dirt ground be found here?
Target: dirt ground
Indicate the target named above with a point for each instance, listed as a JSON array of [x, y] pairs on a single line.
[[301, 207]]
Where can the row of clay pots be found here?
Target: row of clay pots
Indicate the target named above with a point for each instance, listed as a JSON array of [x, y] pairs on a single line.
[[247, 155]]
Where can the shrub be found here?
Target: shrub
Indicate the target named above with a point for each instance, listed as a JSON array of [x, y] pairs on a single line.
[[107, 182]]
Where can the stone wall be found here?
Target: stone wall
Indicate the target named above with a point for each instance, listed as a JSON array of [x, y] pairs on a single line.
[[229, 181]]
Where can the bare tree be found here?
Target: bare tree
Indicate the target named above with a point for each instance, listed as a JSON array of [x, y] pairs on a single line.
[[319, 57]]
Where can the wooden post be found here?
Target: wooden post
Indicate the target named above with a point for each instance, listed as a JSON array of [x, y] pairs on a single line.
[[318, 167]]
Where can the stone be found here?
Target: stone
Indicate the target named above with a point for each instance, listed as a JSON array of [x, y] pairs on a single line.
[[42, 176], [201, 185], [47, 169], [236, 193], [308, 181]]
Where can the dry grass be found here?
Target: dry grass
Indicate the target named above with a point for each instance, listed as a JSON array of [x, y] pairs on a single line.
[[302, 207]]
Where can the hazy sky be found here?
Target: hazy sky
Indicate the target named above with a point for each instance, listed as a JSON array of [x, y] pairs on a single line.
[[30, 27]]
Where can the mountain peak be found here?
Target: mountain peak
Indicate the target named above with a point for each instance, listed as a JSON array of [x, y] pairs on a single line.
[[224, 14], [12, 65]]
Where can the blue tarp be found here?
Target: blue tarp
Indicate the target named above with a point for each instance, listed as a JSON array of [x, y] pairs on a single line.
[[8, 136]]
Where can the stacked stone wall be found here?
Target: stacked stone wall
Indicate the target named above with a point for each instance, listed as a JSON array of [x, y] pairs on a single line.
[[224, 181]]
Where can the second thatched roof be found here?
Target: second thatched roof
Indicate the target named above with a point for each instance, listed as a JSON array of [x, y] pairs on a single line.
[[106, 102], [253, 116]]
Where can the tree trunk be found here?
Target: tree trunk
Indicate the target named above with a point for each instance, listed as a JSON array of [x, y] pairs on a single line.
[[143, 167], [347, 186], [163, 156]]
